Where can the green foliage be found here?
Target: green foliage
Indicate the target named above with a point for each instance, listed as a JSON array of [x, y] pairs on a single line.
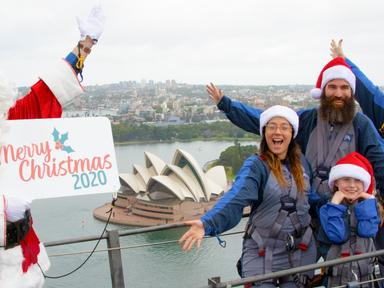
[[126, 132], [233, 157]]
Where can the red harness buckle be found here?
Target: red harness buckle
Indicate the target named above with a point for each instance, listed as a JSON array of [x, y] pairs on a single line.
[[345, 254], [303, 246]]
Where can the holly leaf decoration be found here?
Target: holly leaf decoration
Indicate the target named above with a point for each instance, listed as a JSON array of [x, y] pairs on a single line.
[[63, 138], [60, 140], [55, 135], [68, 149]]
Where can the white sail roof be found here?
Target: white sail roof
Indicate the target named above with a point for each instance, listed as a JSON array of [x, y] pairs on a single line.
[[183, 179], [162, 185], [185, 161], [217, 175], [130, 181], [154, 162]]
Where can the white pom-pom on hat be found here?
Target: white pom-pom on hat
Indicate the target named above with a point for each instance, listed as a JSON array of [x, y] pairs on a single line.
[[316, 93]]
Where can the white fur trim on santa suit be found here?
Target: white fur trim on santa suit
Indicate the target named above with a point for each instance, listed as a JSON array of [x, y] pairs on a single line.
[[280, 111], [11, 273], [349, 170], [63, 82], [3, 222]]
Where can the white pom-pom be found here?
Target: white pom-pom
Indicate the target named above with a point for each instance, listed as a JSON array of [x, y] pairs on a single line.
[[316, 93]]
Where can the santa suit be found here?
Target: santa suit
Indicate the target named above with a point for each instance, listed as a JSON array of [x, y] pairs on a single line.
[[19, 265]]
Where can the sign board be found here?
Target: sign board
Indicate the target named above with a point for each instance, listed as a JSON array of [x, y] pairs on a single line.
[[47, 158]]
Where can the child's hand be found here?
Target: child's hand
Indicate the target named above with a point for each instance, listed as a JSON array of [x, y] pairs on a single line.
[[365, 196], [338, 197]]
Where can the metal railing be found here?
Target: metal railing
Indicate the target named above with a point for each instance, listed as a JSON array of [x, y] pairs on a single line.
[[114, 248], [116, 264], [215, 282]]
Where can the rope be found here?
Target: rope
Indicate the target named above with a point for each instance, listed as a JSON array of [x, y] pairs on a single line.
[[133, 246], [89, 256]]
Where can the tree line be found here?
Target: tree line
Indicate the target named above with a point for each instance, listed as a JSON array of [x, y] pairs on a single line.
[[233, 158], [128, 132]]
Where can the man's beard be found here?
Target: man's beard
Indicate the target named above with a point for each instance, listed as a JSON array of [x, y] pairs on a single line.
[[334, 115]]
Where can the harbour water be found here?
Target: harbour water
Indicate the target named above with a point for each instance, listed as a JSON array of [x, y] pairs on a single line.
[[155, 266]]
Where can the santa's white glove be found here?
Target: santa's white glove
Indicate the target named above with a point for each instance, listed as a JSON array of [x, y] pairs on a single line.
[[16, 208], [93, 26]]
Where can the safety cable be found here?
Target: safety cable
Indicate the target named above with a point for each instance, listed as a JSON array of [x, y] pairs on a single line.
[[134, 246], [89, 256]]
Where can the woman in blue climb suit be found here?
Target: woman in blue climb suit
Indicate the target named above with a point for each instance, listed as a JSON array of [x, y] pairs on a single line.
[[276, 185], [350, 220]]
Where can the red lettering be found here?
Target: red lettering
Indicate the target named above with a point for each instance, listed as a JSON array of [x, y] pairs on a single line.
[[96, 164], [23, 171], [6, 152], [107, 164], [84, 165]]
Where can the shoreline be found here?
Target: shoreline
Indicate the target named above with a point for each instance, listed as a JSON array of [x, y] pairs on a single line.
[[184, 141]]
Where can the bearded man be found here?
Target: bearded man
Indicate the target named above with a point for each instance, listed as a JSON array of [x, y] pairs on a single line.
[[326, 133], [23, 258]]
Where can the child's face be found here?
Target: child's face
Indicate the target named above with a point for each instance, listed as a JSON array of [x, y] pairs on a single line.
[[350, 187]]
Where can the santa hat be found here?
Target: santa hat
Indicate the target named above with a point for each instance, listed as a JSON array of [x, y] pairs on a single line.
[[280, 111], [356, 166], [335, 69]]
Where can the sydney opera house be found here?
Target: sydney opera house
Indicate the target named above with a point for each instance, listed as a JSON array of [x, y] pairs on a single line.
[[162, 193]]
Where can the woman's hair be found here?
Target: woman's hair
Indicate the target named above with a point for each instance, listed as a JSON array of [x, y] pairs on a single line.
[[294, 161]]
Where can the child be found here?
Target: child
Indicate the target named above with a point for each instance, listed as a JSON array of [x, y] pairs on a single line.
[[350, 221]]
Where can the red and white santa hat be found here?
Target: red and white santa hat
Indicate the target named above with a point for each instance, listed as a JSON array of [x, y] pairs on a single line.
[[280, 111], [335, 69], [356, 166]]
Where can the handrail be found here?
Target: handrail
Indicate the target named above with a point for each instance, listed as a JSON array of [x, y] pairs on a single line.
[[121, 233], [310, 267], [214, 281]]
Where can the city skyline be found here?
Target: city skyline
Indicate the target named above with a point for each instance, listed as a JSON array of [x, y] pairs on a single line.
[[262, 42]]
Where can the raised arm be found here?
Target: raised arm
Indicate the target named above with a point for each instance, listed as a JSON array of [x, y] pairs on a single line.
[[369, 96], [59, 87], [371, 145], [243, 116]]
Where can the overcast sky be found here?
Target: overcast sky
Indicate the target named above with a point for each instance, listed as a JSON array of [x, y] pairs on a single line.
[[195, 41]]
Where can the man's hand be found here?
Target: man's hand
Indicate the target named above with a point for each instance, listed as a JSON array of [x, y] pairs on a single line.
[[93, 26], [337, 49], [215, 93]]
